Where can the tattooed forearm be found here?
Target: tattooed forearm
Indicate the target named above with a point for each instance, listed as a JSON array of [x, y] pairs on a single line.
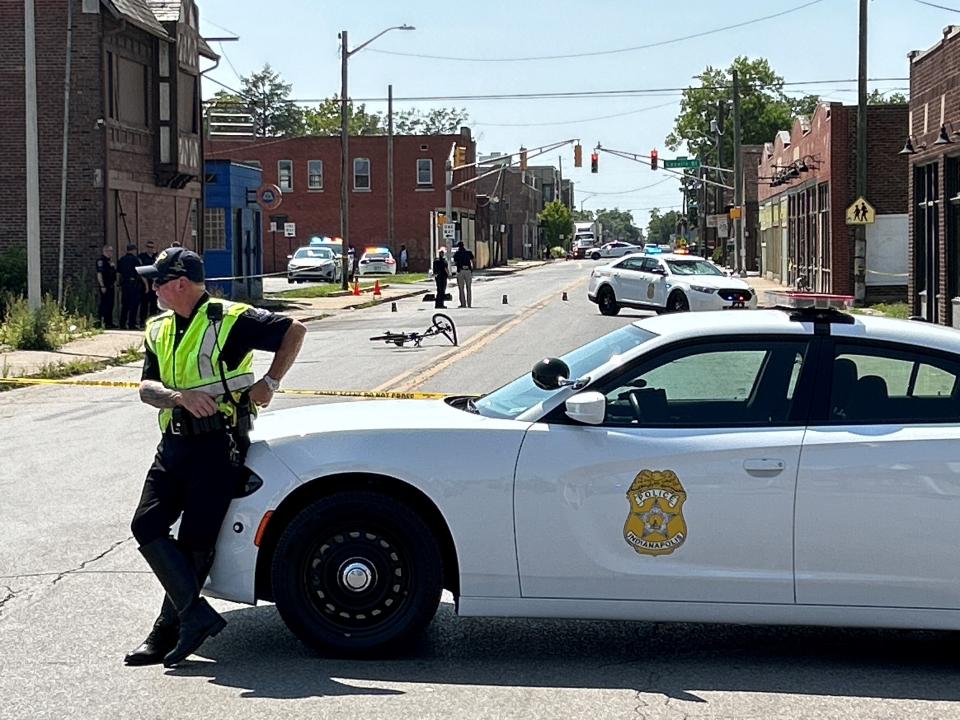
[[159, 396]]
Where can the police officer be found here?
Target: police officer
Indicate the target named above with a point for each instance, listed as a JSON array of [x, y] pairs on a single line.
[[106, 282], [148, 298], [441, 272], [130, 284], [198, 370]]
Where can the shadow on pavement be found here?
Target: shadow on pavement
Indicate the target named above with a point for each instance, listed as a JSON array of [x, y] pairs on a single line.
[[257, 654]]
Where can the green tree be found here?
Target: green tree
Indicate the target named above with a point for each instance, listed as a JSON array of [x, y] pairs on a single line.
[[324, 119], [438, 121], [881, 98], [764, 109], [583, 216], [662, 226], [618, 225], [268, 98], [557, 220]]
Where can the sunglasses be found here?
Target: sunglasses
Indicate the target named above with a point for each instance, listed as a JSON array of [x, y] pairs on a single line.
[[158, 283]]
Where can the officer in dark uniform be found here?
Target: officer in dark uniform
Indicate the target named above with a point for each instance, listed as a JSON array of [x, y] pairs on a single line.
[[130, 284], [148, 298], [441, 272], [106, 284], [207, 396]]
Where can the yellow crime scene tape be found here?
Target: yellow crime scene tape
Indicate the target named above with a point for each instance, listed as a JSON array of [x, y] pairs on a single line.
[[369, 394]]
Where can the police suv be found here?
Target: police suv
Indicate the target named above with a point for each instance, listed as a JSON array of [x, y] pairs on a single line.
[[789, 466]]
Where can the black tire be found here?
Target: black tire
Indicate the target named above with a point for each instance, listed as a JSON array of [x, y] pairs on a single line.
[[444, 325], [595, 256], [290, 281], [607, 301], [677, 302], [382, 539]]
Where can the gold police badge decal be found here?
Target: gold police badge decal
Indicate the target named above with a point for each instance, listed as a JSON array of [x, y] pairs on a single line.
[[655, 525]]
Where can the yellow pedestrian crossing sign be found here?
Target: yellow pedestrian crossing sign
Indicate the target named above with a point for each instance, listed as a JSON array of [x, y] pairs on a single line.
[[861, 213]]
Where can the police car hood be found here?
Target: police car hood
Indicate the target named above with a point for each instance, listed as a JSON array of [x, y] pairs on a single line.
[[365, 416], [712, 281]]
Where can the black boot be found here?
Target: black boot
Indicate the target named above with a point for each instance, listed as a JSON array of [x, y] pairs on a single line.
[[161, 640], [198, 620]]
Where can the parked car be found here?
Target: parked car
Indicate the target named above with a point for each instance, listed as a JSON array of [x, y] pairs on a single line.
[[313, 263], [377, 260], [732, 467], [614, 250], [666, 283]]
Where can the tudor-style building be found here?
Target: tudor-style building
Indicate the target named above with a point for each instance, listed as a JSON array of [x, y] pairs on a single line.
[[133, 140]]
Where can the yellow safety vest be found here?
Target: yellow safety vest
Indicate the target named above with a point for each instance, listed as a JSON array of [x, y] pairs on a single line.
[[194, 363]]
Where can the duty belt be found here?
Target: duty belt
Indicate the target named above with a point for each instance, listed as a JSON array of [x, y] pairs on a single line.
[[183, 423]]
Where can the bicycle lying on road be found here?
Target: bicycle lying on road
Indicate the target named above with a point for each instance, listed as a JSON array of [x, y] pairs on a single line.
[[441, 325]]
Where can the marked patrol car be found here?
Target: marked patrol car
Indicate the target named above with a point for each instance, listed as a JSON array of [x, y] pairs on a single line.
[[668, 282], [786, 466]]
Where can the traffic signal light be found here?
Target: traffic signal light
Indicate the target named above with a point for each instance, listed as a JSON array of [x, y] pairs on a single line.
[[653, 159], [523, 158], [577, 155], [460, 156], [594, 162]]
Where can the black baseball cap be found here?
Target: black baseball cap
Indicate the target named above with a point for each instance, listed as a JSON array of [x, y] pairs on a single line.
[[174, 262]]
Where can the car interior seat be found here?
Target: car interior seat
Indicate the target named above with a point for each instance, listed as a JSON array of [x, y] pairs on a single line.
[[868, 399], [844, 378]]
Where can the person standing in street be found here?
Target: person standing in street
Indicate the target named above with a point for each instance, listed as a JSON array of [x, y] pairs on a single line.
[[198, 372], [130, 284], [440, 274], [463, 259], [148, 298], [106, 287], [404, 259]]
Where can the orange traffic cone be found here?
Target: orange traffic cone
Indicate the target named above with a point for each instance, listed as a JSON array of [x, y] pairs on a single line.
[[376, 289], [356, 286]]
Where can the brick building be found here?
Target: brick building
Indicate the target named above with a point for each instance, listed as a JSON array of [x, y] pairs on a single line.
[[807, 180], [133, 135], [933, 154], [514, 215], [307, 171]]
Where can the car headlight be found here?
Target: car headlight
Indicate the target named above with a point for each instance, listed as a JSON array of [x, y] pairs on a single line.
[[703, 289], [291, 266]]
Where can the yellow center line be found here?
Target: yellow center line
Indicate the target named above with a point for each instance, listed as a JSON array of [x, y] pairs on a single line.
[[413, 378]]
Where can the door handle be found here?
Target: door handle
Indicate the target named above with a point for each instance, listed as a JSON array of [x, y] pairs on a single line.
[[764, 465]]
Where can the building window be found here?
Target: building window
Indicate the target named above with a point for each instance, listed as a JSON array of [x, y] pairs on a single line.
[[823, 237], [253, 163], [285, 175], [315, 175], [187, 103], [424, 171], [126, 91], [361, 174], [214, 229]]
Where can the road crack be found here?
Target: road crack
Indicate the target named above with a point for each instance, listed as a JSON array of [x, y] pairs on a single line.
[[10, 595], [84, 564]]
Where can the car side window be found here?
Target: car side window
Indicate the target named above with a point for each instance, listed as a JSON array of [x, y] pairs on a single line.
[[629, 264], [715, 384], [650, 265], [886, 385]]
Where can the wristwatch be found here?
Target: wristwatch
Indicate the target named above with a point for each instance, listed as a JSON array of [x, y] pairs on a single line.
[[274, 385]]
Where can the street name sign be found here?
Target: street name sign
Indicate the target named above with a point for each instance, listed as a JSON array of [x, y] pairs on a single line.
[[681, 162]]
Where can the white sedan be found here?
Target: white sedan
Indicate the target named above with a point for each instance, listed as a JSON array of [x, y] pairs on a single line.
[[667, 283], [782, 467], [614, 250], [377, 260], [313, 263]]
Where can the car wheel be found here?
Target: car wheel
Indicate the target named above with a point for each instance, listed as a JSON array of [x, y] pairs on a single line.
[[356, 573], [595, 256], [677, 302], [290, 281], [607, 301]]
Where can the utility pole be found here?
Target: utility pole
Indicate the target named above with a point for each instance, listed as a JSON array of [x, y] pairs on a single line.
[[739, 248], [860, 241], [66, 147], [32, 155], [344, 164], [390, 212]]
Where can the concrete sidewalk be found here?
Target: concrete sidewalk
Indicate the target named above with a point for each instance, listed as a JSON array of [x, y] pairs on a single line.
[[108, 345]]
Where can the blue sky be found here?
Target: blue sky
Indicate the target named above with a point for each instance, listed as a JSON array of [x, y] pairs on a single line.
[[819, 42]]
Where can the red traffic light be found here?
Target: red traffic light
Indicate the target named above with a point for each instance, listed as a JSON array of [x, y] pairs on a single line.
[[653, 159], [595, 162]]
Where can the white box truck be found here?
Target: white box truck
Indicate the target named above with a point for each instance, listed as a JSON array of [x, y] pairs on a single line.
[[586, 236]]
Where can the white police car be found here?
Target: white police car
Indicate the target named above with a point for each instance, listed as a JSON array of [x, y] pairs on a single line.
[[666, 282], [795, 467]]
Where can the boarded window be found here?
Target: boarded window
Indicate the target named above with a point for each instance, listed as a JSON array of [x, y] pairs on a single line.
[[186, 103], [130, 102]]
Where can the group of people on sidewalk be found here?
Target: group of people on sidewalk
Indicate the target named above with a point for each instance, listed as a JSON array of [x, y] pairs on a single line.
[[463, 260], [138, 301]]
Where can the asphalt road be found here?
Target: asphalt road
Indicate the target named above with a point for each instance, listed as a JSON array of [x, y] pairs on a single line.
[[75, 595]]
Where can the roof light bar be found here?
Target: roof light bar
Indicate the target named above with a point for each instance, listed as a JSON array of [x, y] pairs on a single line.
[[800, 300]]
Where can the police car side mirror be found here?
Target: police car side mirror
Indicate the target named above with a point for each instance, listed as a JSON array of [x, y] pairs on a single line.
[[289, 257], [587, 407], [550, 373]]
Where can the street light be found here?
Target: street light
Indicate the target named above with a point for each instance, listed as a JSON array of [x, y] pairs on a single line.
[[345, 145]]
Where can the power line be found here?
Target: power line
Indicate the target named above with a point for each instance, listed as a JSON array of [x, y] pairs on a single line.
[[211, 22], [227, 58], [575, 122], [626, 192], [659, 43], [934, 5]]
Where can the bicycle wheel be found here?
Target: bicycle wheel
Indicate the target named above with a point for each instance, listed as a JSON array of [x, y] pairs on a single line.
[[445, 327]]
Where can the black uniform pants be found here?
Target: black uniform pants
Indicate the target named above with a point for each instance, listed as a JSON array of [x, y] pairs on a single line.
[[105, 310], [129, 301], [441, 290], [191, 478]]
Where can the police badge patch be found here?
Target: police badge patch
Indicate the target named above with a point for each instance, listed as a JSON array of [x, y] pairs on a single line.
[[655, 525]]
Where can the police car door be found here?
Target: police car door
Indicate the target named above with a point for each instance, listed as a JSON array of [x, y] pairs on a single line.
[[655, 285], [685, 491], [878, 495], [628, 280]]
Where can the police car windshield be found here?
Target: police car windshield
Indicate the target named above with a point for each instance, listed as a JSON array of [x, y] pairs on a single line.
[[693, 267], [514, 398], [314, 252]]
